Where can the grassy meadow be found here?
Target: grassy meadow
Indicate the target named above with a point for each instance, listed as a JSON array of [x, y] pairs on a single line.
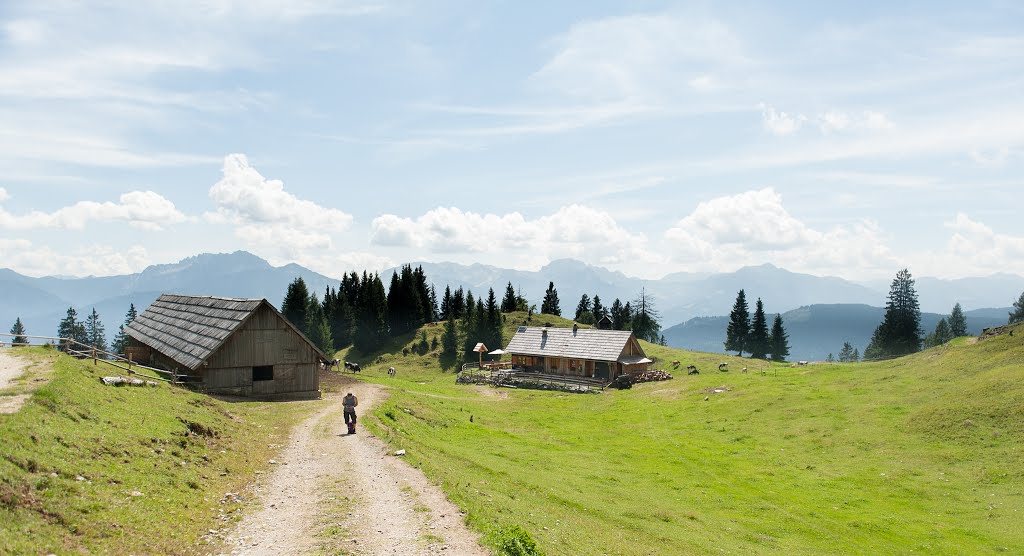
[[93, 469], [921, 454]]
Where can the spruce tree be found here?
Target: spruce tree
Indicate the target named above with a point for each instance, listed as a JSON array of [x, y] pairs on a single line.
[[70, 328], [458, 304], [758, 336], [583, 306], [619, 316], [900, 330], [121, 338], [318, 331], [296, 303], [508, 303], [371, 327], [446, 303], [549, 306], [779, 340], [957, 322], [846, 354], [95, 332], [598, 309], [494, 337], [738, 330], [856, 355], [645, 319], [1017, 314], [18, 331], [449, 340]]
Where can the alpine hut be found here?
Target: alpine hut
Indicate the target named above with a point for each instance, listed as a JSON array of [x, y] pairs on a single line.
[[230, 346], [582, 352]]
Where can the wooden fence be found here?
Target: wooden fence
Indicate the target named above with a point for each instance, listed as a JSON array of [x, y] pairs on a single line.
[[82, 351]]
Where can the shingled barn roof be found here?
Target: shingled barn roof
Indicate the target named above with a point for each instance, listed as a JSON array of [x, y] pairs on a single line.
[[189, 329], [583, 343]]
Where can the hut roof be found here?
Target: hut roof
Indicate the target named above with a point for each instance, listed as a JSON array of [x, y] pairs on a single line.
[[582, 343], [189, 329]]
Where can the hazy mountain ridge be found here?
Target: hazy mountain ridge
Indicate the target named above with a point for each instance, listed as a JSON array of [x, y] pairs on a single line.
[[817, 330], [679, 297]]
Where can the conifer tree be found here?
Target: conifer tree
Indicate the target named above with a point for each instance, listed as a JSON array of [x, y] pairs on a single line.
[[340, 318], [619, 315], [432, 304], [583, 306], [296, 303], [446, 303], [458, 304], [371, 327], [644, 322], [494, 336], [856, 356], [957, 322], [70, 328], [1017, 314], [449, 340], [779, 340], [846, 354], [121, 338], [318, 331], [900, 330], [95, 332], [18, 330], [508, 303], [738, 330], [599, 310], [757, 343], [549, 306]]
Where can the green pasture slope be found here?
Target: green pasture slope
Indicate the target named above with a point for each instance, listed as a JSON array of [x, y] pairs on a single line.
[[921, 454], [93, 469]]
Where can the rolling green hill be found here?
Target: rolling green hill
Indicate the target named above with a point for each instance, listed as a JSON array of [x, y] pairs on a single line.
[[93, 469], [916, 454]]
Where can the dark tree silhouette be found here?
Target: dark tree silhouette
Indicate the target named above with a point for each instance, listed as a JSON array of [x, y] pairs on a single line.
[[739, 325], [779, 340], [549, 306]]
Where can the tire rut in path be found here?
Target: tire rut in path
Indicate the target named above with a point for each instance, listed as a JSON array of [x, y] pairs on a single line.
[[338, 491]]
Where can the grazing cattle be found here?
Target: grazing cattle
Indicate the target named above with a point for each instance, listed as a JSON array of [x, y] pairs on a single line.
[[723, 367], [354, 367], [391, 371], [335, 364], [675, 363], [801, 363], [743, 370], [692, 370]]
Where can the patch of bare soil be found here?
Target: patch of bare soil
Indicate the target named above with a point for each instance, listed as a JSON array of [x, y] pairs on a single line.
[[337, 493], [11, 367]]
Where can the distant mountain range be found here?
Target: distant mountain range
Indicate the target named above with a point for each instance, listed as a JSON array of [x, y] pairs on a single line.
[[817, 330], [680, 297]]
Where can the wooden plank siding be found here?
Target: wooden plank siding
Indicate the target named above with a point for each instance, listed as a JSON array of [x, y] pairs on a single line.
[[264, 339], [576, 352]]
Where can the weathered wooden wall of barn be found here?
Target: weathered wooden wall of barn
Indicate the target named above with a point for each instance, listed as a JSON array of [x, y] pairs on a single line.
[[265, 339]]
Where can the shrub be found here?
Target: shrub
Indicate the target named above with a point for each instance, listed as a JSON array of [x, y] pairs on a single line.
[[515, 541]]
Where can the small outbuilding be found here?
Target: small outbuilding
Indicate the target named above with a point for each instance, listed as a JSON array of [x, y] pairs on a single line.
[[229, 346], [582, 352]]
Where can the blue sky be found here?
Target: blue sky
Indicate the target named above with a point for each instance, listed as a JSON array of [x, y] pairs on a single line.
[[647, 137]]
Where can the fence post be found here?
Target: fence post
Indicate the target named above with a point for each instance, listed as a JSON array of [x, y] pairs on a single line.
[[129, 363], [94, 356]]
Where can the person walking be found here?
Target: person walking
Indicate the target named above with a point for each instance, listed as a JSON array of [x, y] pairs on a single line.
[[350, 402]]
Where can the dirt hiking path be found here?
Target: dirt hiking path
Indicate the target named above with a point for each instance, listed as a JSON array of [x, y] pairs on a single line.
[[332, 492], [11, 367]]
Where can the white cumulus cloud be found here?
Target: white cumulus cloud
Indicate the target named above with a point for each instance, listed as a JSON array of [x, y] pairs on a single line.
[[573, 231], [245, 198], [141, 209], [754, 227], [778, 122], [92, 260]]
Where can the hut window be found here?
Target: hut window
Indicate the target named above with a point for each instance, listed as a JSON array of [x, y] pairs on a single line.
[[263, 372]]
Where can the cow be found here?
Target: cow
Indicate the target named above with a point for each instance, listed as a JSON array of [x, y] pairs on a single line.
[[692, 370], [723, 367], [391, 371]]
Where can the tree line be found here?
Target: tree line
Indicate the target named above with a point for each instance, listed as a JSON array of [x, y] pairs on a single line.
[[752, 335]]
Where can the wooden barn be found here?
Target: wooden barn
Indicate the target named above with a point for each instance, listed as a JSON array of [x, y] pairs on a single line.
[[582, 352], [230, 346]]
